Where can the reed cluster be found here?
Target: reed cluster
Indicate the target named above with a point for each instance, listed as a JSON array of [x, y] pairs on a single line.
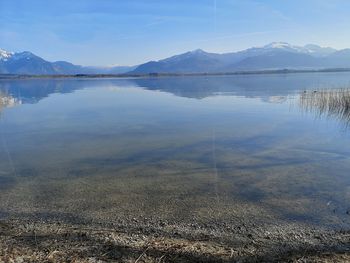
[[333, 103]]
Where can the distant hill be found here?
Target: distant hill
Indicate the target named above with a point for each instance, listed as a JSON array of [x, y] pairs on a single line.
[[276, 55], [190, 62]]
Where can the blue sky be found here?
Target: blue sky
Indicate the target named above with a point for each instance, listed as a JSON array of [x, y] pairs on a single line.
[[127, 32]]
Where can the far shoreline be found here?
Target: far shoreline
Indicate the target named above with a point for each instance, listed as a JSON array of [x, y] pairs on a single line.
[[156, 75]]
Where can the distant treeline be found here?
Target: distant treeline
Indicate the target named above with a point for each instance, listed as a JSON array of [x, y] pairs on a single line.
[[279, 71]]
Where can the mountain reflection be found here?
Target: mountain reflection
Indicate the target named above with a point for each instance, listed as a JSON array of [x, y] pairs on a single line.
[[7, 100], [270, 88], [33, 90], [333, 103]]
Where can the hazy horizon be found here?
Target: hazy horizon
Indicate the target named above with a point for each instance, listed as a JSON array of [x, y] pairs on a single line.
[[133, 32]]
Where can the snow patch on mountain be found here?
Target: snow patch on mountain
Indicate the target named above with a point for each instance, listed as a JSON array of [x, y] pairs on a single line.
[[5, 55], [279, 45], [310, 49]]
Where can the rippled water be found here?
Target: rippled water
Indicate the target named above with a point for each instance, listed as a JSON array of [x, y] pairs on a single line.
[[208, 149]]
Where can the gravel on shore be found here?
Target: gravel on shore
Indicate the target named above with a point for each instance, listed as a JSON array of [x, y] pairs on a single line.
[[49, 241]]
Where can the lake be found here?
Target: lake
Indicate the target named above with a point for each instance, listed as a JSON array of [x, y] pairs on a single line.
[[216, 149]]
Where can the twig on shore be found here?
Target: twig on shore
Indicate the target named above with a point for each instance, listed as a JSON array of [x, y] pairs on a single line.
[[143, 253]]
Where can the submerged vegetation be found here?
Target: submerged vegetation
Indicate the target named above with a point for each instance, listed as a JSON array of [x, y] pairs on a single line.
[[333, 103]]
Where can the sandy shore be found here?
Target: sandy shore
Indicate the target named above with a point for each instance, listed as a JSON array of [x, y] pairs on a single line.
[[48, 241]]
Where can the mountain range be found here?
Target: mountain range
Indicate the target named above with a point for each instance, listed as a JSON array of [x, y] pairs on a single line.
[[276, 55]]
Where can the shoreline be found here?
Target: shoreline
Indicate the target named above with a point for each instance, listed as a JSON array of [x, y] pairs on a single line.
[[157, 75], [28, 240]]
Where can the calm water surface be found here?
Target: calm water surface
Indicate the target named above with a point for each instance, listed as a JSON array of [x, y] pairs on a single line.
[[227, 149]]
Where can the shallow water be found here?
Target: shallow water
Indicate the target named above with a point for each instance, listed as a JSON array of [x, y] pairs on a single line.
[[210, 149]]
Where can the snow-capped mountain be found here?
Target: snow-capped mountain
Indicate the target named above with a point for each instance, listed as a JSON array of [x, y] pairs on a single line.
[[29, 63], [26, 63], [276, 55]]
